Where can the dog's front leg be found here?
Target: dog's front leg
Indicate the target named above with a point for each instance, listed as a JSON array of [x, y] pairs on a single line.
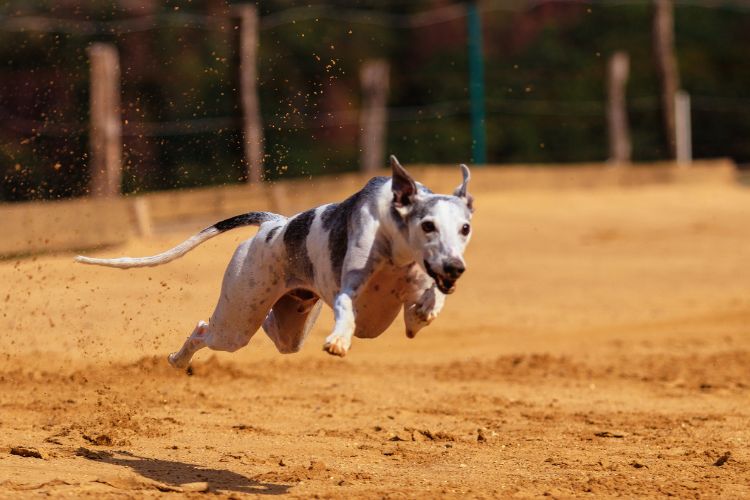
[[339, 341], [430, 304], [423, 301], [421, 313], [362, 257], [357, 269]]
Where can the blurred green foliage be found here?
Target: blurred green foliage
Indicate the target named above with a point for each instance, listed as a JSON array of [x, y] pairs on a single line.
[[545, 72]]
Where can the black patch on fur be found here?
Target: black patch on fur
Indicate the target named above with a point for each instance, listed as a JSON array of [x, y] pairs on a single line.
[[248, 219], [295, 240], [337, 220], [271, 232]]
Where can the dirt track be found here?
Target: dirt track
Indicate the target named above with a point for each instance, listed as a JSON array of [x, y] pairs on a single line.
[[598, 345]]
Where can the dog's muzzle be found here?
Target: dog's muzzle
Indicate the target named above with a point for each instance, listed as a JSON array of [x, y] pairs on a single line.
[[445, 284]]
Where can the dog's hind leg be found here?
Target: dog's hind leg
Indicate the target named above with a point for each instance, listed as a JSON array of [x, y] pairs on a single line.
[[247, 294], [291, 318], [196, 341]]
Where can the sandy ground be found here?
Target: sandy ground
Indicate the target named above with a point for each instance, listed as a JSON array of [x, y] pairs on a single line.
[[599, 345]]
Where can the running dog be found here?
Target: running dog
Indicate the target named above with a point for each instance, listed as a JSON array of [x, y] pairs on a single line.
[[392, 244]]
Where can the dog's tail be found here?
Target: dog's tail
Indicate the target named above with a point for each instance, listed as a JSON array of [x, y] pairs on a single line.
[[248, 219]]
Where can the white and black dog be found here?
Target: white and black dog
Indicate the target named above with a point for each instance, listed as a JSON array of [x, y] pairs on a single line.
[[393, 244]]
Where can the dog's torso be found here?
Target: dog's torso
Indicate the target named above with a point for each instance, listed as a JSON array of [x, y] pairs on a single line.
[[309, 250]]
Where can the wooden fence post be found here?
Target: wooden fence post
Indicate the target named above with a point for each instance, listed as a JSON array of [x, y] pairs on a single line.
[[683, 128], [252, 123], [666, 67], [142, 213], [106, 122], [373, 77], [617, 113]]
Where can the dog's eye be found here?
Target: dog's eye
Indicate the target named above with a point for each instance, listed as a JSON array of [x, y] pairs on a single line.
[[428, 227], [465, 229]]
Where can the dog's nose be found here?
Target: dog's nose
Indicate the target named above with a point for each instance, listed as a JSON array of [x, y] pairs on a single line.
[[454, 268]]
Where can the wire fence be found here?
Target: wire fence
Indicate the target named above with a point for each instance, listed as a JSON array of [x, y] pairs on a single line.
[[430, 17], [349, 117], [403, 115]]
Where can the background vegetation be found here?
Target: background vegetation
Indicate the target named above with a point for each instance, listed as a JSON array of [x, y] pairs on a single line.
[[545, 65]]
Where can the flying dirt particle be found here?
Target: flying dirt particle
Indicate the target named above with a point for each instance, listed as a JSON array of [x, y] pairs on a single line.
[[722, 459], [27, 452]]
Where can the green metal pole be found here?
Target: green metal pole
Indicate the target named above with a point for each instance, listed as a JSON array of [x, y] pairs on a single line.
[[476, 85]]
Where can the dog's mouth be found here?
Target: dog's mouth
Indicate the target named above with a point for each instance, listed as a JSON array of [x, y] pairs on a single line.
[[445, 285]]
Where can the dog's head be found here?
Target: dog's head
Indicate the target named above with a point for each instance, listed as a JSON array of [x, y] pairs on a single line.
[[437, 227]]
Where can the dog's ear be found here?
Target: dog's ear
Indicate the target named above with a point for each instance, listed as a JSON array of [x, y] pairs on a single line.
[[403, 186], [462, 191]]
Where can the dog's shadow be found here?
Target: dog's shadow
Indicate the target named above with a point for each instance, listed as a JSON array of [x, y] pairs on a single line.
[[176, 473]]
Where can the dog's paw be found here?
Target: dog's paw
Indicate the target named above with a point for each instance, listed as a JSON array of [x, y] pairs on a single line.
[[425, 314], [429, 306], [337, 346], [426, 311]]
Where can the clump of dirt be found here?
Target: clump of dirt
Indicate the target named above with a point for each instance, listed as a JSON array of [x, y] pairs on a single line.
[[99, 440], [723, 459], [29, 452]]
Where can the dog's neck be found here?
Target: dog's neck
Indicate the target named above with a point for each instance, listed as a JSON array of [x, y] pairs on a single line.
[[401, 253]]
